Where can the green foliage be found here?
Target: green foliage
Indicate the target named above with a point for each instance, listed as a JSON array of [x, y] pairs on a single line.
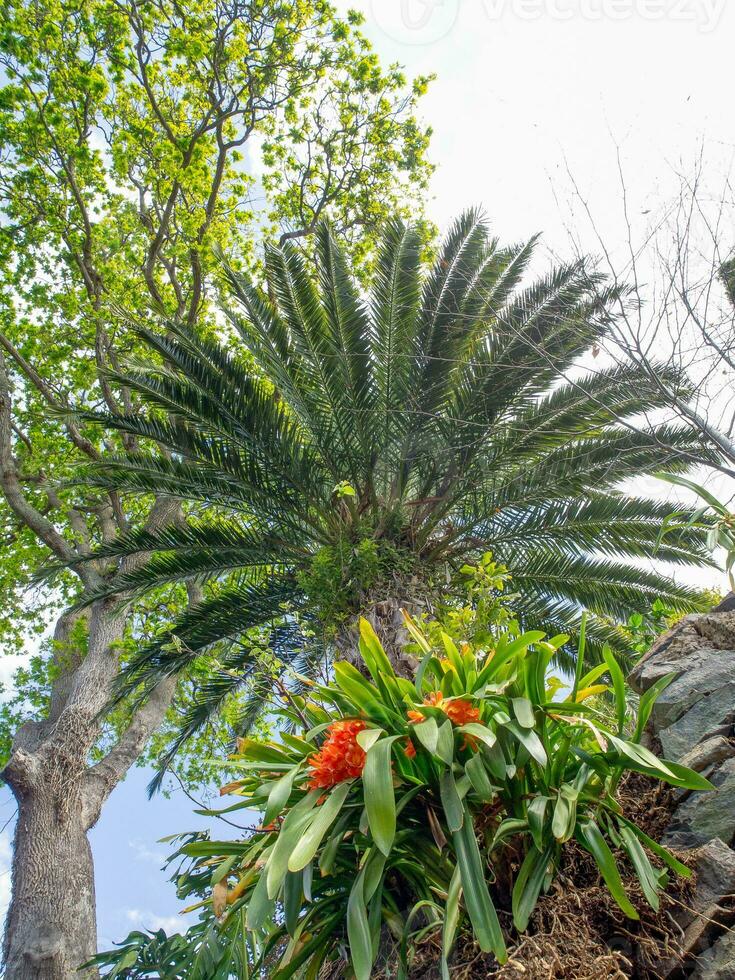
[[397, 435], [342, 576], [419, 805], [714, 518], [646, 627], [136, 136]]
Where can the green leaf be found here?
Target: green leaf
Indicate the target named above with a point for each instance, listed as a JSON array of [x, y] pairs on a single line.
[[589, 836], [380, 801], [475, 769], [427, 732], [658, 849], [359, 932], [530, 741], [536, 813], [278, 796], [222, 870], [528, 885], [451, 802], [502, 656], [643, 760], [579, 665], [523, 710], [294, 826], [565, 816], [445, 742], [647, 702], [618, 681], [480, 732], [480, 908], [361, 692], [373, 653], [260, 906], [309, 841], [647, 875], [292, 895], [451, 920], [368, 737]]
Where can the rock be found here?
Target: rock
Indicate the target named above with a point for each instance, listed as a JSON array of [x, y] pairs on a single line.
[[718, 962], [704, 677], [708, 753], [714, 703], [687, 646], [693, 723], [715, 867], [715, 883], [703, 816]]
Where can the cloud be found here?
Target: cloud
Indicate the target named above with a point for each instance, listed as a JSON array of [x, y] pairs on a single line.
[[143, 919], [143, 852], [9, 663]]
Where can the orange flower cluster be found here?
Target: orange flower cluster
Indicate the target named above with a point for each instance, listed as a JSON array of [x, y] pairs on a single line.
[[340, 757], [458, 710]]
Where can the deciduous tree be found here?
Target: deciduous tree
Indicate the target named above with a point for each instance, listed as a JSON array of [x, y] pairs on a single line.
[[138, 136]]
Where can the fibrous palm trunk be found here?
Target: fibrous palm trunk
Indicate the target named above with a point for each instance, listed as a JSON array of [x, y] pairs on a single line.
[[385, 615]]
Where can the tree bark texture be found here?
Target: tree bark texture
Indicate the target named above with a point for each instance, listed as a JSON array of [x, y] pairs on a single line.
[[51, 925]]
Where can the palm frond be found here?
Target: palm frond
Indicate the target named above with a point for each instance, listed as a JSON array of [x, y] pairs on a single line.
[[452, 402], [240, 605]]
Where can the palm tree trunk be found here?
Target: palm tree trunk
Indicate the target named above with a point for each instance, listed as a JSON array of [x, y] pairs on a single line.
[[386, 617]]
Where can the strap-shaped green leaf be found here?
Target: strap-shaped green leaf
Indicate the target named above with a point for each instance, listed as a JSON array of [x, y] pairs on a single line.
[[278, 796], [427, 732], [481, 732], [658, 849], [359, 932], [648, 701], [618, 680], [294, 826], [451, 920], [480, 908], [292, 896], [372, 652], [326, 814], [528, 885], [523, 710], [451, 802], [380, 800], [590, 837], [530, 741], [536, 812], [649, 878], [475, 769]]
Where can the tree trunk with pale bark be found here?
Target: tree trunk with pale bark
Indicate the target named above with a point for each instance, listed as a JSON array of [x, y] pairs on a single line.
[[51, 926]]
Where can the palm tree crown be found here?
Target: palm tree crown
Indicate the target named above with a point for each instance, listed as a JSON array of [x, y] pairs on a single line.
[[347, 446]]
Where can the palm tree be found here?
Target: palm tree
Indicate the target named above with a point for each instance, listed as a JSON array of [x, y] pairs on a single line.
[[339, 452]]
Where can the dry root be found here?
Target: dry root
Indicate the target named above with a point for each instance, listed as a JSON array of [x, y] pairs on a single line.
[[577, 932]]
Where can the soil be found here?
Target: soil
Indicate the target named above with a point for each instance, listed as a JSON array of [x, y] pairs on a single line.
[[577, 932]]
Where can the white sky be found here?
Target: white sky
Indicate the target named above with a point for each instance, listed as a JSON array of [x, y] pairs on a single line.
[[529, 91], [514, 97]]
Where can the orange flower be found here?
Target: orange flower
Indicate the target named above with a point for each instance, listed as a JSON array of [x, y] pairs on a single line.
[[462, 712], [435, 700], [340, 757], [410, 750], [458, 710]]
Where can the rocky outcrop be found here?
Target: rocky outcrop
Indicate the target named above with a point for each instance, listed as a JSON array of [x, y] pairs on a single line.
[[693, 723]]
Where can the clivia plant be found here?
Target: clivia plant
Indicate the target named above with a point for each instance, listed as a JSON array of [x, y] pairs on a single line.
[[403, 808]]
